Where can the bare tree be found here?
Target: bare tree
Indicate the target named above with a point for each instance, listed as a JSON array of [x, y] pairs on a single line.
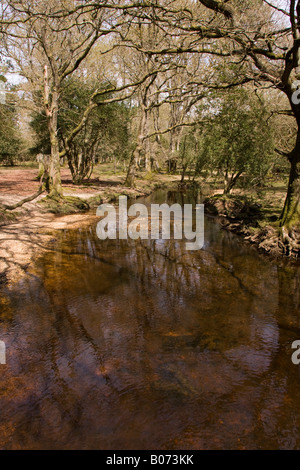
[[262, 41], [272, 55], [47, 42]]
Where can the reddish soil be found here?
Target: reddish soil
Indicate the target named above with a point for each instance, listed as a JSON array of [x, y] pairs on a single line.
[[22, 181], [17, 181], [29, 234]]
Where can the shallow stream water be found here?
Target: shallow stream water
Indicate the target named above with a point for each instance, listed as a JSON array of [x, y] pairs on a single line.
[[145, 345]]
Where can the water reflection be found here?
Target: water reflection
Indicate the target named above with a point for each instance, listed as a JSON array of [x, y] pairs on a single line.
[[131, 345]]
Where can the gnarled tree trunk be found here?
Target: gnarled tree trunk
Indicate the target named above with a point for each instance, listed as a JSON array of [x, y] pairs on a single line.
[[290, 215]]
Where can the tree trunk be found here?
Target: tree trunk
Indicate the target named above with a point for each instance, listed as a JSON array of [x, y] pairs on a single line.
[[227, 184], [290, 215], [148, 167], [54, 183], [147, 144], [184, 168], [55, 187], [230, 181], [136, 154], [131, 172]]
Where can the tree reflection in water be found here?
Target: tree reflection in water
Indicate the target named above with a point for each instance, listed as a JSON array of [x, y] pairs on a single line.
[[132, 345]]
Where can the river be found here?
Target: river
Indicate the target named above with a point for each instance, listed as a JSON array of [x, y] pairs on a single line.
[[122, 344]]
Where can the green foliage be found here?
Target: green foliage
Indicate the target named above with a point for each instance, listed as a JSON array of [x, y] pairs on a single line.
[[42, 142], [237, 140], [104, 135], [10, 139], [190, 154]]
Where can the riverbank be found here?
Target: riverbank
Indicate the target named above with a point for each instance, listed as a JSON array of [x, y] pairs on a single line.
[[27, 231], [256, 220]]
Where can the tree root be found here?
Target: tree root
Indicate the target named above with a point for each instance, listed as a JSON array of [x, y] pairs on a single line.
[[290, 241], [64, 204], [7, 207]]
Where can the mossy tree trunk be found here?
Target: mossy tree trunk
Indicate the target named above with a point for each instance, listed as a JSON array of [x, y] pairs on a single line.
[[290, 215]]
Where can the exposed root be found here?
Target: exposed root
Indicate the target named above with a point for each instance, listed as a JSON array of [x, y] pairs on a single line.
[[290, 241], [6, 207], [244, 219]]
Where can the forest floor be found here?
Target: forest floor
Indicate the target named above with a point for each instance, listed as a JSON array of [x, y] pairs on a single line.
[[16, 183], [27, 231]]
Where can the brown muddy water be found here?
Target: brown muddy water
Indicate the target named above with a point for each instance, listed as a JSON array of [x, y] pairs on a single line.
[[144, 345]]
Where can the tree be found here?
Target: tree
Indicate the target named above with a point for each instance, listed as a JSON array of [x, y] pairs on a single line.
[[104, 134], [48, 42], [10, 136], [168, 84], [187, 152], [273, 56], [137, 63], [259, 36], [237, 138], [254, 34]]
